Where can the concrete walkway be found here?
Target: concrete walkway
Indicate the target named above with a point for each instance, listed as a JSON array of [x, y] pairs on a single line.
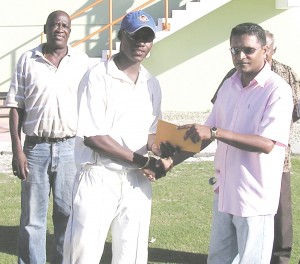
[[5, 142]]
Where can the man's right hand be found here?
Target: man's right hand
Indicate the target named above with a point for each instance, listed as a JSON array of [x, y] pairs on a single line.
[[20, 166], [165, 149]]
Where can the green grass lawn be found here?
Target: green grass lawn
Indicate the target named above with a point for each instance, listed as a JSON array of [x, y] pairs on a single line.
[[181, 216]]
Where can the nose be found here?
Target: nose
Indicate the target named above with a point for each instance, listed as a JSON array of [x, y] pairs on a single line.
[[140, 43], [241, 54]]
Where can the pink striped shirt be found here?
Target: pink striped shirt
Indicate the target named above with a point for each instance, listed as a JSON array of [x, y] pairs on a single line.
[[249, 182]]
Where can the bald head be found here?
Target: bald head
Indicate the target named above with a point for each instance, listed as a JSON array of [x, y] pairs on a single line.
[[270, 45], [56, 14]]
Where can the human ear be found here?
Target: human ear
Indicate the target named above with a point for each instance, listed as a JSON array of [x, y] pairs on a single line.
[[119, 35]]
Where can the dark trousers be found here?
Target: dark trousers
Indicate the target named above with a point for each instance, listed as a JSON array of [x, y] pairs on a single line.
[[283, 224]]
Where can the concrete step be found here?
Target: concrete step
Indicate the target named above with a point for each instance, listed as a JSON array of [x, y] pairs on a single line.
[[180, 19]]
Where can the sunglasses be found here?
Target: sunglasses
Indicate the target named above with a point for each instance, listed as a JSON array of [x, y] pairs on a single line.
[[140, 37], [246, 50]]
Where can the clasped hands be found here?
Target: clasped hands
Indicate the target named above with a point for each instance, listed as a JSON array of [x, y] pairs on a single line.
[[159, 167], [158, 162]]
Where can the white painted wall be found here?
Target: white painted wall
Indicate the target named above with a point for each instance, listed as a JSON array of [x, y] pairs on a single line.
[[199, 56]]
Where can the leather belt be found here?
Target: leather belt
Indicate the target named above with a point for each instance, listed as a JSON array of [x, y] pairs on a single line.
[[39, 140]]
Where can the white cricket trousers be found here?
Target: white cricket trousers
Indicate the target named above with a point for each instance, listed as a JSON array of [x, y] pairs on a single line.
[[105, 199]]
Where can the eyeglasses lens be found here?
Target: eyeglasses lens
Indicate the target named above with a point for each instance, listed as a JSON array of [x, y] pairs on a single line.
[[246, 51]]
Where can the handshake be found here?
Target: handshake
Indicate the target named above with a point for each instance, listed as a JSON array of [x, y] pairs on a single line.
[[157, 165]]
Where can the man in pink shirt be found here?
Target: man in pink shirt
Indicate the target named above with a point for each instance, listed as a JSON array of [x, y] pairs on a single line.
[[283, 224], [251, 121]]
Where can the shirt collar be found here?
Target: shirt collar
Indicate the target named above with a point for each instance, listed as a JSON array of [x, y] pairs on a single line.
[[39, 50], [261, 78], [113, 70]]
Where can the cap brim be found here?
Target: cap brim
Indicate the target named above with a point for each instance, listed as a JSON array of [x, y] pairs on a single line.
[[143, 26]]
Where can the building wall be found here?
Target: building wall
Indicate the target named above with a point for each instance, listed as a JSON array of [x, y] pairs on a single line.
[[189, 63], [22, 21]]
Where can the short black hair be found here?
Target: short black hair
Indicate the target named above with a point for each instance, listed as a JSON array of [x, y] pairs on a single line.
[[251, 29]]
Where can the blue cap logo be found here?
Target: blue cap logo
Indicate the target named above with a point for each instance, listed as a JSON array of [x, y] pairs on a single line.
[[136, 20]]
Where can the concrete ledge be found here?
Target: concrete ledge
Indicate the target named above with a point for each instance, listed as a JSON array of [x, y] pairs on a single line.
[[174, 117]]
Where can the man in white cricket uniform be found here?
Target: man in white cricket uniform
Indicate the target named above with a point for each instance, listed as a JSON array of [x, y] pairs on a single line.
[[120, 104]]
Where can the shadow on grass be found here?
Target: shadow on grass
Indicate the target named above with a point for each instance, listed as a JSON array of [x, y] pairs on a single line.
[[158, 255], [9, 239], [9, 242]]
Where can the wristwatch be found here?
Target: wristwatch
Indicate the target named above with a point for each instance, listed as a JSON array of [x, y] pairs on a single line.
[[213, 131]]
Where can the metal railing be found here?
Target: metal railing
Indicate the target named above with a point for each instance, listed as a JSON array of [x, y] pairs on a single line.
[[111, 22]]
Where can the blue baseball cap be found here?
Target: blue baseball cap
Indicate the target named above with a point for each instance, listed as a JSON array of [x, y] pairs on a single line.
[[136, 20]]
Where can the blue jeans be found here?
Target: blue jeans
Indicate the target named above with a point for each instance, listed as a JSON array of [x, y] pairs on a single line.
[[244, 240], [51, 168]]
